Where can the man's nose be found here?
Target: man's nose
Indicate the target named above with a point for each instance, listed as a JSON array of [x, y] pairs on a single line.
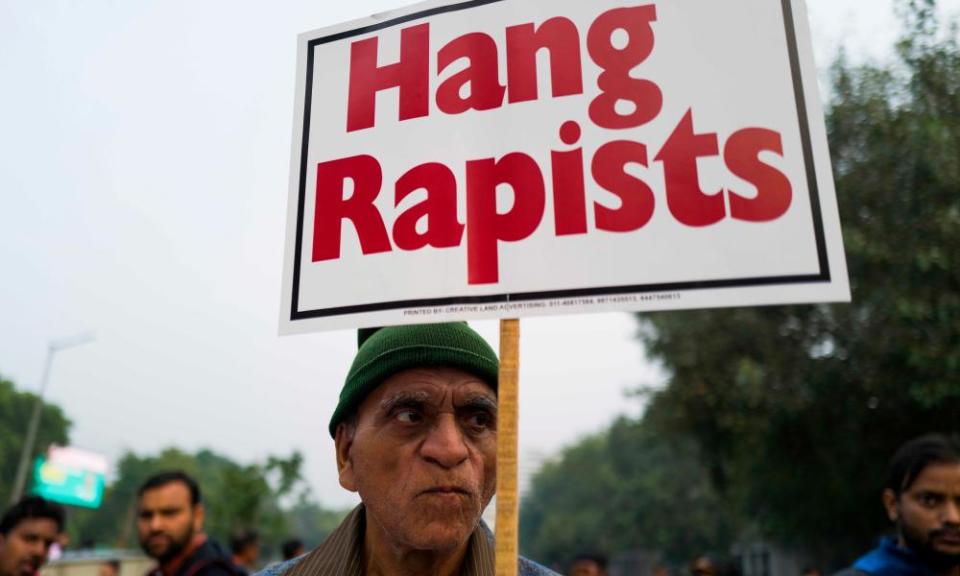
[[445, 443], [952, 513], [38, 548]]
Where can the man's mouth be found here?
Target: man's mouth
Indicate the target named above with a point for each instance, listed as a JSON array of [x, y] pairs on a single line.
[[948, 537], [155, 540], [451, 490], [29, 567], [951, 536]]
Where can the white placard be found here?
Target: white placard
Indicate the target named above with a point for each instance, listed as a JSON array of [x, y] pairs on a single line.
[[503, 158]]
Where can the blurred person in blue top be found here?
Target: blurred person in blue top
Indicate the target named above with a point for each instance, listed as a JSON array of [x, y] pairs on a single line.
[[922, 499]]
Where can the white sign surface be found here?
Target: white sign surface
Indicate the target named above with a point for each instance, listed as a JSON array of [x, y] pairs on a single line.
[[502, 158]]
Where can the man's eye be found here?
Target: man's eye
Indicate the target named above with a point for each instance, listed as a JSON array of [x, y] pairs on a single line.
[[408, 416], [930, 500], [480, 420]]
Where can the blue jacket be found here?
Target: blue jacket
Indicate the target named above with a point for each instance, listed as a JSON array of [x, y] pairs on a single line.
[[890, 559]]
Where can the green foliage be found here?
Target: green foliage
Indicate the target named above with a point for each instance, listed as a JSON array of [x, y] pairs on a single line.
[[236, 497], [621, 490], [793, 412], [15, 410], [311, 522], [797, 409]]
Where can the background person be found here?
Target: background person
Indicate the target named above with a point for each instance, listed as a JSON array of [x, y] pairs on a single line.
[[245, 547], [922, 499], [589, 565], [27, 531], [703, 566], [291, 548], [109, 568], [170, 526]]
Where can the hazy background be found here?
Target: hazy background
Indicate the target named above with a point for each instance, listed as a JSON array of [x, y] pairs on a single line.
[[144, 157]]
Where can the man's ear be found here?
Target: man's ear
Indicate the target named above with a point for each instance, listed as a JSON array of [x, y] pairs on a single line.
[[198, 515], [891, 504], [344, 442]]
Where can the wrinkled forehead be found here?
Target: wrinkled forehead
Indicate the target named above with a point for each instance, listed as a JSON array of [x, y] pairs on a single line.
[[435, 386]]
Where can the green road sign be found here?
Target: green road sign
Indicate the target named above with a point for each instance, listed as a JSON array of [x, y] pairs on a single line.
[[67, 484]]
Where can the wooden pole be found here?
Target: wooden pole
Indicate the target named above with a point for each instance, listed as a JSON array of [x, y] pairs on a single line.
[[507, 411]]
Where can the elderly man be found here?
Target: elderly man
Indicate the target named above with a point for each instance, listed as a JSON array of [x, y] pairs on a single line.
[[416, 435]]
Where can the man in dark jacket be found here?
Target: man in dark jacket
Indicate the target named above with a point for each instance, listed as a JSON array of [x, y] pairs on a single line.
[[170, 525], [245, 546], [922, 498], [27, 531]]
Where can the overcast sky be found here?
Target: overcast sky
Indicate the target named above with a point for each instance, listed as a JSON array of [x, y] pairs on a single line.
[[144, 157]]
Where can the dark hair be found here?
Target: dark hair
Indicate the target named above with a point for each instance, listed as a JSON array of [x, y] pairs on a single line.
[[240, 540], [599, 559], [290, 547], [169, 477], [914, 456], [32, 507]]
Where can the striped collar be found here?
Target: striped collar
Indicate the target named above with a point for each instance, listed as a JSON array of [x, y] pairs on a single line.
[[341, 554]]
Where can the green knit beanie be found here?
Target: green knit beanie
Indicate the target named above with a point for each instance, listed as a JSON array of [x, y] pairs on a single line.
[[382, 352]]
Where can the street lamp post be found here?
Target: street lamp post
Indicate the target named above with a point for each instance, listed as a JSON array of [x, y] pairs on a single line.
[[34, 425]]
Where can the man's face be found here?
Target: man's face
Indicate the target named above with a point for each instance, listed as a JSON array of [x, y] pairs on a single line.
[[928, 514], [249, 554], [586, 568], [423, 457], [24, 549], [166, 521], [703, 566]]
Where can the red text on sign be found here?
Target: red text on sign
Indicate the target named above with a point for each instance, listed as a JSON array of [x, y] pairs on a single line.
[[627, 202], [488, 225], [558, 36]]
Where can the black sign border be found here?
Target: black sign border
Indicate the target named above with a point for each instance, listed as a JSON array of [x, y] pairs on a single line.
[[822, 277]]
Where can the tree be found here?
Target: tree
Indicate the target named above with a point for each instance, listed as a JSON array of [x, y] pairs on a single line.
[[622, 490], [312, 522], [792, 412], [15, 410], [236, 497], [796, 410]]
